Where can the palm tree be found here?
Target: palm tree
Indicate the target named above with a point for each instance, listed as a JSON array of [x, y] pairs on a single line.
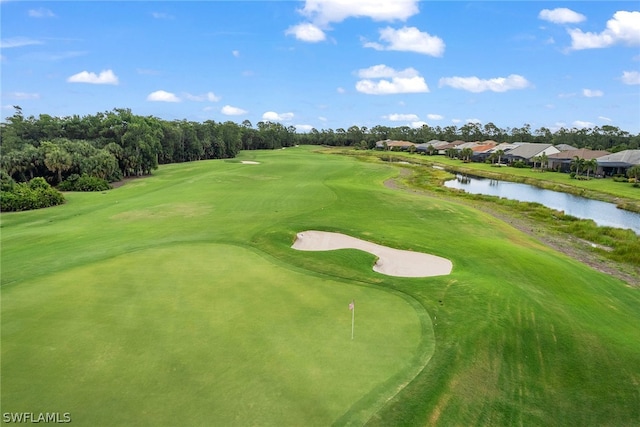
[[634, 172], [590, 166], [544, 161], [466, 154], [499, 153], [577, 165], [58, 160]]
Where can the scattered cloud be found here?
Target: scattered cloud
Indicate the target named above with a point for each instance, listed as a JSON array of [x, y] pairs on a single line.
[[306, 32], [582, 124], [408, 39], [235, 53], [23, 96], [340, 90], [320, 14], [434, 117], [623, 28], [162, 15], [401, 117], [228, 110], [475, 84], [405, 81], [591, 93], [163, 96], [631, 77], [53, 56], [41, 13], [209, 96], [324, 12], [272, 116], [606, 119], [561, 15], [303, 128], [106, 77], [18, 42], [418, 124]]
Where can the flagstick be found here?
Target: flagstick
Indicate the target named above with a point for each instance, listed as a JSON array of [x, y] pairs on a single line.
[[353, 318]]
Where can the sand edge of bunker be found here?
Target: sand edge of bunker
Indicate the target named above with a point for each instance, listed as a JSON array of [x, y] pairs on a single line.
[[391, 262]]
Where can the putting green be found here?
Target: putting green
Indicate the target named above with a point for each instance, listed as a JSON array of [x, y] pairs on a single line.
[[201, 334]]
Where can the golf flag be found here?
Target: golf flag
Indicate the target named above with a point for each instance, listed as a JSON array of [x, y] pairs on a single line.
[[352, 307]]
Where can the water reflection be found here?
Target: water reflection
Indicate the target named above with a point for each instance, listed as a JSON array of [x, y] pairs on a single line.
[[605, 214]]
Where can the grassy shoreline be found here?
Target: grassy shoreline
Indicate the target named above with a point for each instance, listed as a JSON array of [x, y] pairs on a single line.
[[612, 250]]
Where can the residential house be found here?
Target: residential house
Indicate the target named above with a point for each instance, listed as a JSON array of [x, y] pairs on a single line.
[[527, 151], [618, 163], [394, 145], [562, 161]]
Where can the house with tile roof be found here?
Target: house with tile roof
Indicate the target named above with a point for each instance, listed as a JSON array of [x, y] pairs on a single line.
[[618, 163], [527, 151], [562, 161]]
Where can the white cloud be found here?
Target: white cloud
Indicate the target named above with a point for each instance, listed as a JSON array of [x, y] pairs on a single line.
[[323, 12], [163, 96], [475, 84], [162, 15], [606, 119], [235, 53], [623, 28], [228, 110], [209, 96], [41, 13], [106, 77], [306, 32], [418, 124], [435, 117], [340, 90], [561, 15], [303, 128], [631, 77], [272, 116], [402, 117], [18, 42], [590, 93], [404, 81], [23, 95], [582, 124], [409, 39]]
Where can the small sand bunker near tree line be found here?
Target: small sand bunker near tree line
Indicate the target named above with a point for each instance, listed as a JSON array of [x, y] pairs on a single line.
[[392, 262], [249, 162]]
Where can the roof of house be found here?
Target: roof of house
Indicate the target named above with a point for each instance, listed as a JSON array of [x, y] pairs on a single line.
[[624, 158], [566, 147], [528, 150], [582, 153], [393, 143], [483, 148]]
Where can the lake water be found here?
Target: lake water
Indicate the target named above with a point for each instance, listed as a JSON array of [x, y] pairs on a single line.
[[603, 213]]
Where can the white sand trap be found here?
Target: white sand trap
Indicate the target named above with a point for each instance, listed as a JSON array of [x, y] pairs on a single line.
[[249, 162], [392, 262]]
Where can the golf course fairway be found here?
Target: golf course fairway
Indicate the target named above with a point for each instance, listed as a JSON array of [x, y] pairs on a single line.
[[177, 299]]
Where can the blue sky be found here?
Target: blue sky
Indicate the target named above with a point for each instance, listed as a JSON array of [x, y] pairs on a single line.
[[328, 64]]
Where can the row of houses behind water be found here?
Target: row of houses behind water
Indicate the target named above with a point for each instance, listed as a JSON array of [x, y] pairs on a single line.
[[558, 157]]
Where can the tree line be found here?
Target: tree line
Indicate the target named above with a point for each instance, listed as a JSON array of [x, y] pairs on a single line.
[[117, 144], [609, 138]]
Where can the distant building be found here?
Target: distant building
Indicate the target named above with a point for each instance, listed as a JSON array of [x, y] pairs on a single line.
[[618, 163], [527, 151], [562, 161]]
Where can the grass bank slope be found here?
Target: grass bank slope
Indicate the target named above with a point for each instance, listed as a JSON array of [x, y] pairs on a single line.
[[181, 291]]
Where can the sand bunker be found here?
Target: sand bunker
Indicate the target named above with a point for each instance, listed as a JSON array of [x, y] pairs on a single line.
[[392, 262], [249, 162]]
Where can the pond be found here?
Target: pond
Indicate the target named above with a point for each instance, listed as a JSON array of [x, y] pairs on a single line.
[[603, 213]]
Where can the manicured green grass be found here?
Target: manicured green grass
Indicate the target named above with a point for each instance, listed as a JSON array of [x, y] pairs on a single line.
[[177, 300]]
